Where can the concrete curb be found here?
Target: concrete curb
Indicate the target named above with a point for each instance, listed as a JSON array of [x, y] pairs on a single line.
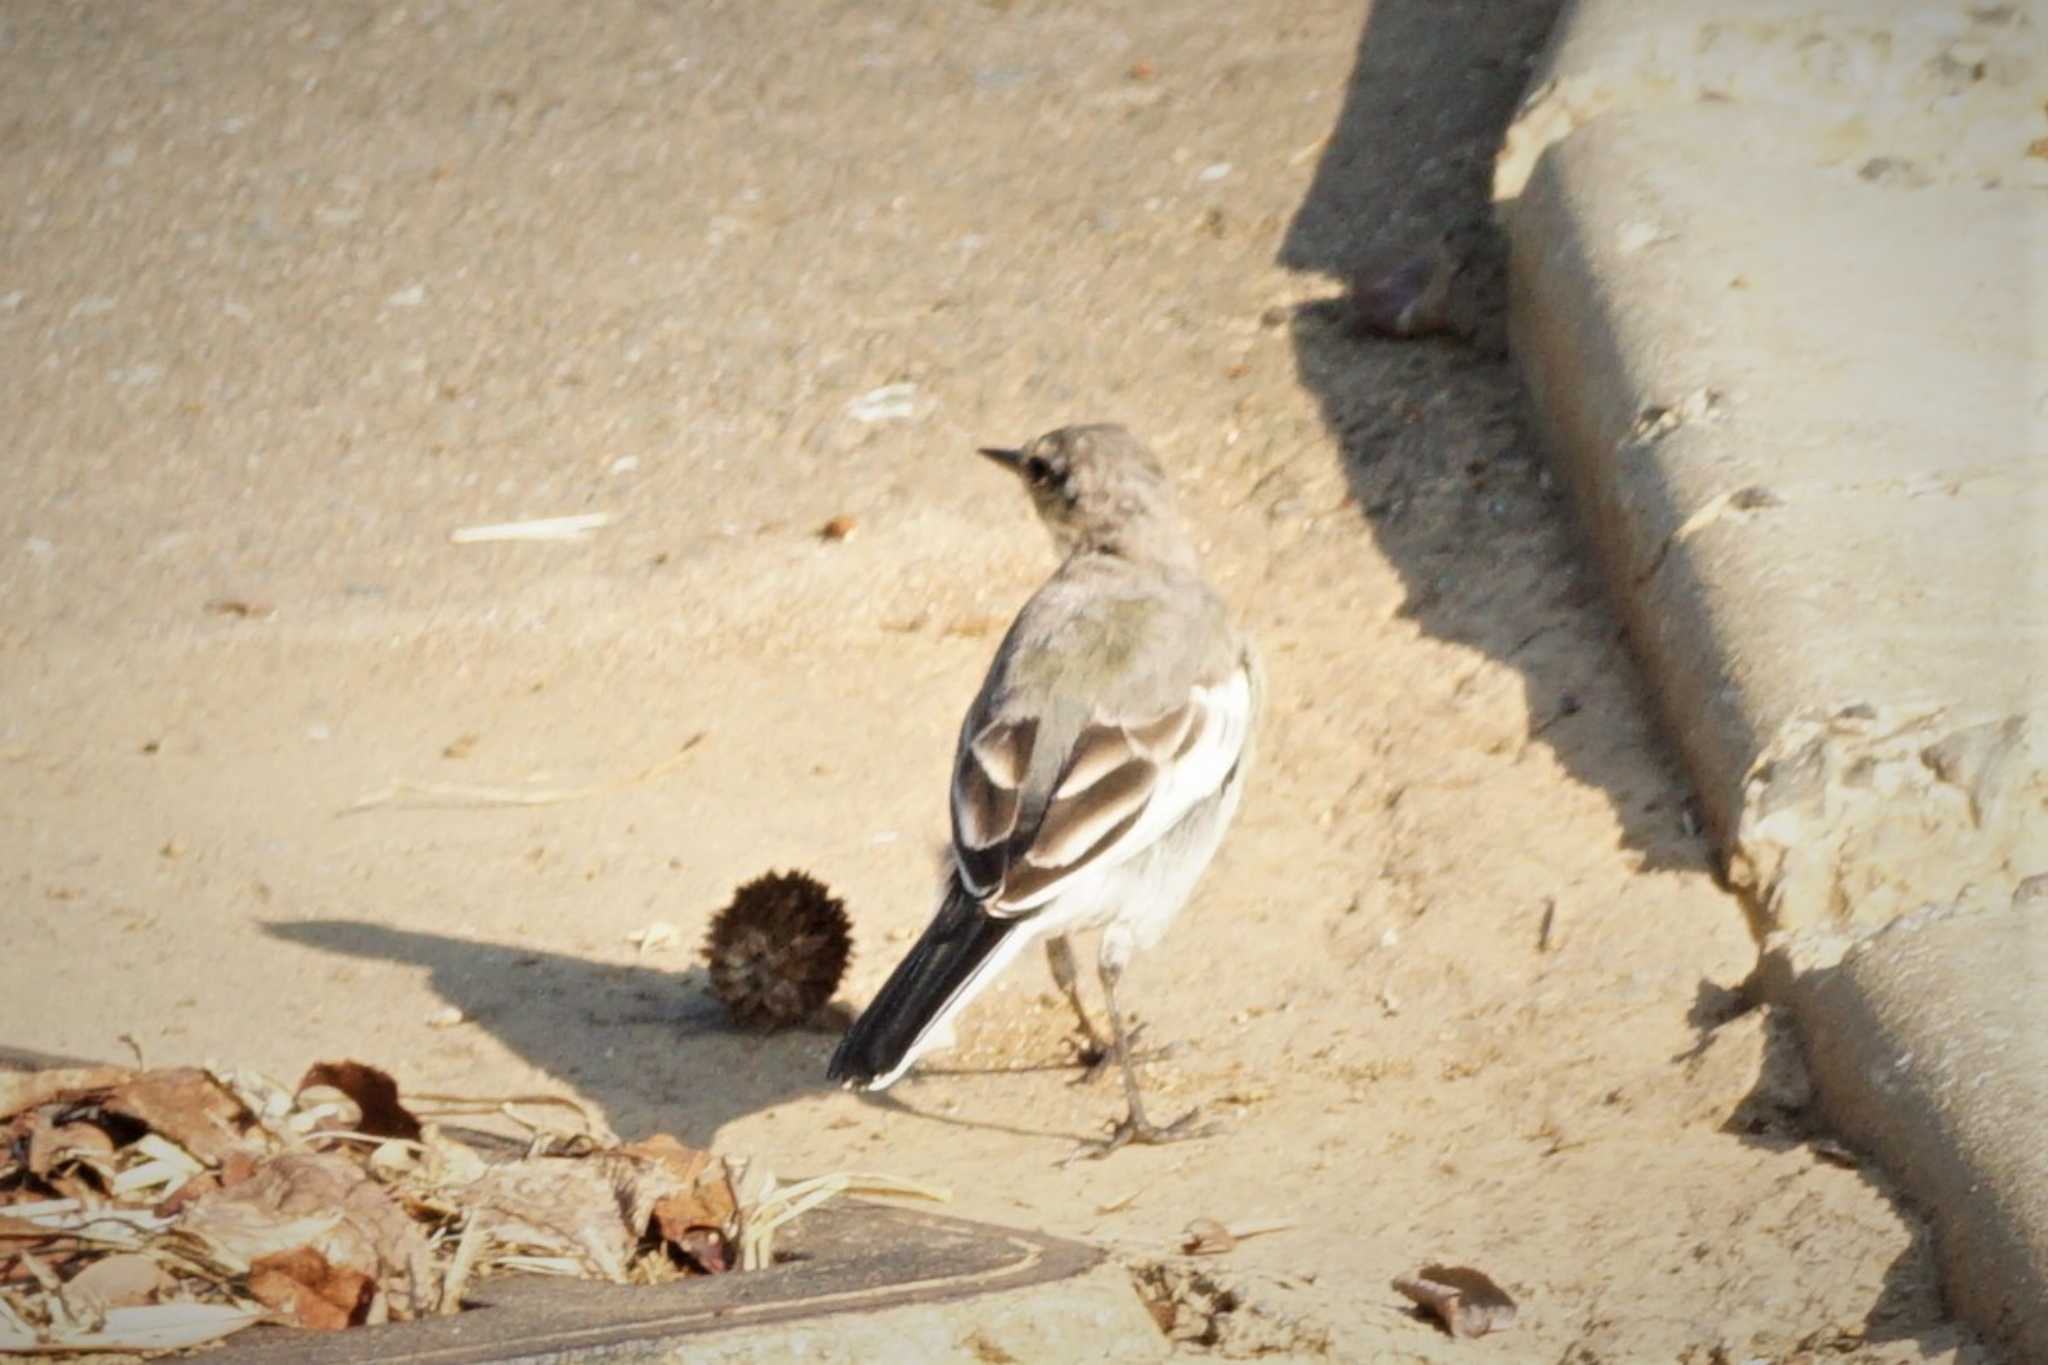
[[1932, 1053], [1780, 349], [1800, 447]]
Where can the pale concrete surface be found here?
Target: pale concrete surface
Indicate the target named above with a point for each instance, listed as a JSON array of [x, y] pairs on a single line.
[[1928, 1042], [1894, 92], [1775, 288], [1093, 1317], [1798, 414]]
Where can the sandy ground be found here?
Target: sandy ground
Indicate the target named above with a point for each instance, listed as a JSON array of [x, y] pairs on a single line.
[[288, 293]]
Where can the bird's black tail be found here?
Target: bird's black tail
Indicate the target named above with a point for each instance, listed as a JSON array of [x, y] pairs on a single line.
[[961, 952]]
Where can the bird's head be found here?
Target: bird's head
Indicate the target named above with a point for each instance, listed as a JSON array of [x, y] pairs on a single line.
[[1097, 487]]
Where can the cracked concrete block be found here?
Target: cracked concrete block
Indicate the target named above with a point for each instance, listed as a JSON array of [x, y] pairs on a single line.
[[1909, 93], [1846, 817], [1805, 425]]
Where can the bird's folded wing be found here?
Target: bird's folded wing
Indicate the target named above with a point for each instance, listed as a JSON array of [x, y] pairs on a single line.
[[1123, 783]]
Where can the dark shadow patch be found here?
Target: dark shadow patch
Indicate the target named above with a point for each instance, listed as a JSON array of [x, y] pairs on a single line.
[[649, 1044], [1436, 441]]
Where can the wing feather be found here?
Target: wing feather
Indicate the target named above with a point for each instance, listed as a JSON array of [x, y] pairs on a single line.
[[1122, 785], [1076, 825], [988, 786]]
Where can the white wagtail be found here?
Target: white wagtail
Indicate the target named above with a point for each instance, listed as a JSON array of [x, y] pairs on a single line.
[[1096, 771]]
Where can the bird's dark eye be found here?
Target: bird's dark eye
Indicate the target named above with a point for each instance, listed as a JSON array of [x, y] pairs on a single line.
[[1038, 469]]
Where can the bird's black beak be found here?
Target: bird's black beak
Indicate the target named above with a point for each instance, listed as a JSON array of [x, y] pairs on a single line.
[[1012, 460]]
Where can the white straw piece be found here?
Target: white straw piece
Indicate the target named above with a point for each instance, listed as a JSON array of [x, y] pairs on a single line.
[[542, 528]]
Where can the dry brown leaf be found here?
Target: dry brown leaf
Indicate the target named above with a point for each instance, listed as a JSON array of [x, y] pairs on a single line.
[[1466, 1301], [683, 1160], [228, 1236], [20, 1090], [149, 1328], [1206, 1237], [694, 1208], [14, 1229], [239, 1167], [325, 1201], [193, 1190], [51, 1144], [69, 1185], [301, 1285], [191, 1108], [684, 1210], [700, 1175], [121, 1281], [374, 1093], [560, 1205]]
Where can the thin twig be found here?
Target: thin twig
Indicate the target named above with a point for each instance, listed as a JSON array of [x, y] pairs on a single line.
[[464, 794], [467, 1106]]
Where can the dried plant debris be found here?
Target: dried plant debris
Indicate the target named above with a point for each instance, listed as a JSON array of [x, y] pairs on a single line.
[[1466, 1301], [1209, 1237], [304, 1287], [767, 1205], [779, 951], [372, 1097], [1231, 1316], [148, 1211]]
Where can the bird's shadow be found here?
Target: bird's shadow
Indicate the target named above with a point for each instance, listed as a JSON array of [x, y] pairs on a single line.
[[904, 1105], [1435, 438], [648, 1043]]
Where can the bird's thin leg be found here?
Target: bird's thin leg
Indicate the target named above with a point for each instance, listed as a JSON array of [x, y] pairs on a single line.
[[1059, 956], [1135, 1127]]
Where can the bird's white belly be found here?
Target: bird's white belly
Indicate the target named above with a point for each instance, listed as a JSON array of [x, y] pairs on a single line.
[[1135, 900]]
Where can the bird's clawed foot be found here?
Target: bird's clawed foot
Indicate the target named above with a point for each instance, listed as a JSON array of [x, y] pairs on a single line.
[[1134, 1127]]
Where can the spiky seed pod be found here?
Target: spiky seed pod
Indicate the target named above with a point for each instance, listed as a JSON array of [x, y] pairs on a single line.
[[778, 952]]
